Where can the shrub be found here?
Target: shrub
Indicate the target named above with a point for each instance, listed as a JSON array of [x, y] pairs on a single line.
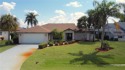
[[42, 45], [14, 37], [51, 43], [9, 42], [57, 35]]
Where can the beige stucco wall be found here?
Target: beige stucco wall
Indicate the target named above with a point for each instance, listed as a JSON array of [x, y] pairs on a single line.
[[5, 35], [83, 36]]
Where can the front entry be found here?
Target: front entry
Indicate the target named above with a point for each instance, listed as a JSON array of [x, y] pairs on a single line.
[[68, 36]]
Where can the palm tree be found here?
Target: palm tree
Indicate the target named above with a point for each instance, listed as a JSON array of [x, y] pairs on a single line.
[[106, 9], [8, 23], [31, 19], [122, 15]]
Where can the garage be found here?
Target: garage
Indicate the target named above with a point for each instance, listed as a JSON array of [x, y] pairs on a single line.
[[33, 38]]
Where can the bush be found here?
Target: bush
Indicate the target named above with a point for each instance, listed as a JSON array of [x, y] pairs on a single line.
[[42, 45], [9, 42], [14, 37], [51, 43]]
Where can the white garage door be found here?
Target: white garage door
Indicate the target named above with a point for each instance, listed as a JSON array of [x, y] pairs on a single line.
[[31, 38]]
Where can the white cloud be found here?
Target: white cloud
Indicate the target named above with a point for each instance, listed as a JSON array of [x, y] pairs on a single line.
[[69, 18], [21, 23], [61, 12], [120, 1], [78, 14], [7, 7], [74, 4], [110, 19], [31, 11]]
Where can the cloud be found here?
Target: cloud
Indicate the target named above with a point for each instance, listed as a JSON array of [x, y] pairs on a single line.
[[21, 23], [110, 19], [61, 12], [68, 18], [7, 7], [120, 1], [74, 4], [31, 11]]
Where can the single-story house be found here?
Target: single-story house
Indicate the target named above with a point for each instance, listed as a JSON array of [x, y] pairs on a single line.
[[4, 34], [39, 34]]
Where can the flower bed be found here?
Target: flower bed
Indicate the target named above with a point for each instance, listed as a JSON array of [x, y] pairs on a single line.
[[54, 43]]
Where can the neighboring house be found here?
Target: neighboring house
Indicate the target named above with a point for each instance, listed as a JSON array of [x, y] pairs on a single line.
[[39, 34], [111, 32], [4, 34]]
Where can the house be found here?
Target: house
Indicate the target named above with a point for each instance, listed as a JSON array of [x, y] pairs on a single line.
[[39, 34], [4, 34], [112, 33]]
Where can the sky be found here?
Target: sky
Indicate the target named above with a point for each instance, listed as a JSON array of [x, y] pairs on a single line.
[[50, 11]]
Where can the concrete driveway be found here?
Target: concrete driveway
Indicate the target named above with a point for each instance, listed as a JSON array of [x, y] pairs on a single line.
[[13, 58]]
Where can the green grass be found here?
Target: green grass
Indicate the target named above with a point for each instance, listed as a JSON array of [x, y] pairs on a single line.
[[4, 47], [78, 56]]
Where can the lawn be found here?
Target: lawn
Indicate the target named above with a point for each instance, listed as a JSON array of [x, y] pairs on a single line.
[[78, 56], [4, 47]]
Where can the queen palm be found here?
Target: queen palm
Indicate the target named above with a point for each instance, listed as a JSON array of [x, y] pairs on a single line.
[[106, 9], [31, 19], [8, 23]]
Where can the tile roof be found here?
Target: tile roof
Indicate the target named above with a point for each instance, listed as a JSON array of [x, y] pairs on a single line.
[[60, 27], [36, 29], [49, 27]]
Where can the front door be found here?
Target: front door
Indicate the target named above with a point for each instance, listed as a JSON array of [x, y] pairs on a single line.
[[68, 36]]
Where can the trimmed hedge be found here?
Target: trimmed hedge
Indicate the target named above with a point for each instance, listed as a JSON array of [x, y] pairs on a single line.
[[43, 45], [54, 43]]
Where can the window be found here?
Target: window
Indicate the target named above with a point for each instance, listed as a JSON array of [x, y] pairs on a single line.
[[0, 33], [119, 36]]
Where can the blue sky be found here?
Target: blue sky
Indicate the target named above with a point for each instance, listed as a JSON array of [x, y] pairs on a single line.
[[50, 11]]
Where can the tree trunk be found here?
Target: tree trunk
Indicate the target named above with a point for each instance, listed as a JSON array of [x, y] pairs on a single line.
[[102, 36]]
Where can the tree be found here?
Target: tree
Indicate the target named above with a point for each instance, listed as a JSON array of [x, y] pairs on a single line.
[[106, 9], [83, 24], [58, 36], [93, 20], [122, 15], [8, 23], [31, 19]]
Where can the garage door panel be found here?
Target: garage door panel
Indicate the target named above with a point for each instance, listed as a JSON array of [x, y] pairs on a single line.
[[33, 38]]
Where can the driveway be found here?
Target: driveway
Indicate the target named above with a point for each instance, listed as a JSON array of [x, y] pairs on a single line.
[[13, 58]]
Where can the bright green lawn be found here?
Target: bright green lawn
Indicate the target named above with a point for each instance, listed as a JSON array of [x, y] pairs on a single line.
[[78, 56], [4, 47]]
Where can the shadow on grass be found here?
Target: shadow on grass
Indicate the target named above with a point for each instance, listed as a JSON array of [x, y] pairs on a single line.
[[92, 57]]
